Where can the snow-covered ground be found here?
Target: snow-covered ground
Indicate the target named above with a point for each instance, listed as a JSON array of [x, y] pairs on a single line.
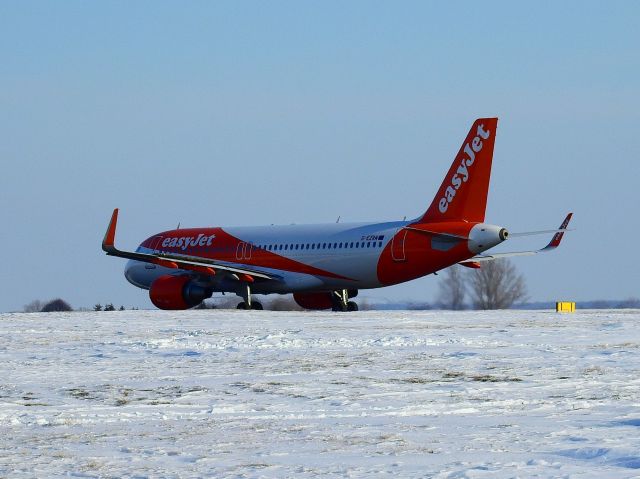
[[272, 394]]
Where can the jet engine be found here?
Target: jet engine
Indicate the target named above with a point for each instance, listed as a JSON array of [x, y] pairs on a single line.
[[176, 292], [313, 300]]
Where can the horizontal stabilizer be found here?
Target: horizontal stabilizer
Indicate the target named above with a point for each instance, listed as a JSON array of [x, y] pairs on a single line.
[[555, 241], [553, 244], [536, 233]]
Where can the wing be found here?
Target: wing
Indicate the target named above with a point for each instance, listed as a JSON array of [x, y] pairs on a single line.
[[189, 263], [553, 244]]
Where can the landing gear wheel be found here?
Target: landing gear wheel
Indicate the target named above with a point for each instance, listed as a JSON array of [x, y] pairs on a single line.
[[340, 301], [256, 305], [352, 306], [242, 305]]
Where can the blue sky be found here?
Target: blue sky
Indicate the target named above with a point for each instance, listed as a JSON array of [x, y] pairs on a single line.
[[240, 113]]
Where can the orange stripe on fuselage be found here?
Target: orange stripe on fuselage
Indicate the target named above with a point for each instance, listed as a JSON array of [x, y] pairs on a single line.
[[198, 242]]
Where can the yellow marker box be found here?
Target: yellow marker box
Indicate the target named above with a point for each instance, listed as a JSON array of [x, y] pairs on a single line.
[[565, 307]]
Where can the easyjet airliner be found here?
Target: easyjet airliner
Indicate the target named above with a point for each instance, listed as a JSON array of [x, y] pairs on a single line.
[[325, 265]]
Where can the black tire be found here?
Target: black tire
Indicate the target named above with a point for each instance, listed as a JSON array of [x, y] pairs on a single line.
[[352, 306], [242, 305], [256, 305]]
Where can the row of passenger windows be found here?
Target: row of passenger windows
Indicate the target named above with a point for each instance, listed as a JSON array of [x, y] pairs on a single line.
[[314, 246]]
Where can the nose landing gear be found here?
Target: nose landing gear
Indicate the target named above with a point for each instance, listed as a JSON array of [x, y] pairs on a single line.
[[247, 303]]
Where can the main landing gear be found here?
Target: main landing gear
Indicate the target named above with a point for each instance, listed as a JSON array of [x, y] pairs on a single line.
[[340, 301], [245, 294]]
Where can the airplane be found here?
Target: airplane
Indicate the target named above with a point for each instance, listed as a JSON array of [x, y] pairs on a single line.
[[325, 265]]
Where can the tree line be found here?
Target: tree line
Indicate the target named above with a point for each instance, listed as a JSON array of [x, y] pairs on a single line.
[[60, 305], [495, 285]]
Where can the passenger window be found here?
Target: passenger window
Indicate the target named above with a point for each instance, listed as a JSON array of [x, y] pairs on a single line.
[[357, 244], [368, 244], [324, 245], [380, 244]]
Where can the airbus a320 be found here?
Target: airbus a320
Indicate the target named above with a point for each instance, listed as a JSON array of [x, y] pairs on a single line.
[[325, 265]]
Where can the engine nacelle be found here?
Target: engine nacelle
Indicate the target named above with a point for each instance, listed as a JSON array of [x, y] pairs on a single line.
[[313, 300], [176, 292]]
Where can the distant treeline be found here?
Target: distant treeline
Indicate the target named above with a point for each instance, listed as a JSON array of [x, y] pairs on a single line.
[[60, 305], [53, 305], [286, 303], [631, 303]]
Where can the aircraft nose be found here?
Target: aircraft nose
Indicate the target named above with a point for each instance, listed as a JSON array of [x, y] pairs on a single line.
[[129, 270], [140, 274]]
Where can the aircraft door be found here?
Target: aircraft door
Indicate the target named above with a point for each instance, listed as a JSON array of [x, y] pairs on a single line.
[[244, 250], [398, 252]]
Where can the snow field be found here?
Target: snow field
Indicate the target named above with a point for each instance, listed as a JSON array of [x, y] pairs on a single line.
[[275, 394]]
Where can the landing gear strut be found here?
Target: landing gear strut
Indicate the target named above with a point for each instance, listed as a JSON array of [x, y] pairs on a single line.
[[340, 301], [245, 294]]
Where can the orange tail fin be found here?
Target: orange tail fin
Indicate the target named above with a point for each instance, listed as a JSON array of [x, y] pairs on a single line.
[[463, 193]]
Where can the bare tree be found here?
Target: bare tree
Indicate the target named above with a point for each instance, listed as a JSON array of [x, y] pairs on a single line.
[[497, 285], [34, 306], [452, 289]]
